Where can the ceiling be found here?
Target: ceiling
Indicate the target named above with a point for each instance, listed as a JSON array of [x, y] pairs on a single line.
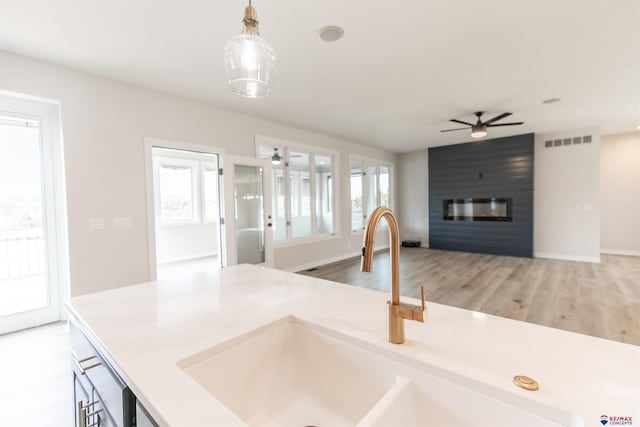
[[403, 68]]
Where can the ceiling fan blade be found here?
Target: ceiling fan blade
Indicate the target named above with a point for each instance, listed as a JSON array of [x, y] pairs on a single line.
[[461, 122], [496, 118], [506, 124], [450, 130]]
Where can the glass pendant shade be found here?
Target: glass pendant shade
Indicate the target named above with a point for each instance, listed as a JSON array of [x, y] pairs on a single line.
[[249, 60]]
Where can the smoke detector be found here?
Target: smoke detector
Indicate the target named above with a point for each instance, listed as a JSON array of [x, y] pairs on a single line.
[[331, 33]]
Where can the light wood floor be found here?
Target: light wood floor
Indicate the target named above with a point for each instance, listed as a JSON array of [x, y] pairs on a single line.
[[602, 300]]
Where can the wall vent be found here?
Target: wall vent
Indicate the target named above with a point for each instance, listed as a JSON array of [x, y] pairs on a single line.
[[551, 143]]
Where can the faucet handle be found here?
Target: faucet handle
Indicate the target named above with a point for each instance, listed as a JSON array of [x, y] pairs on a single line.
[[424, 306]]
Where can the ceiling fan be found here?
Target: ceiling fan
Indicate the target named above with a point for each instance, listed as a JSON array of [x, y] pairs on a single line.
[[479, 129], [276, 159]]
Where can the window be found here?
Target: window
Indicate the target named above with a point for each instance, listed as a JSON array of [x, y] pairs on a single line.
[[303, 201], [176, 193], [357, 183], [323, 195], [186, 187], [383, 185], [299, 170], [370, 187]]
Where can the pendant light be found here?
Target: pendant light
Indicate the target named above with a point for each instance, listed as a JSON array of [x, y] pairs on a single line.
[[249, 59]]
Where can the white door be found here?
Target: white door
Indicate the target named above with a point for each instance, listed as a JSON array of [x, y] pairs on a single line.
[[33, 253], [247, 211]]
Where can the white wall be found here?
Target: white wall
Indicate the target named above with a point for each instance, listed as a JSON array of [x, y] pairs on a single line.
[[566, 198], [413, 187], [620, 194], [104, 123], [186, 241]]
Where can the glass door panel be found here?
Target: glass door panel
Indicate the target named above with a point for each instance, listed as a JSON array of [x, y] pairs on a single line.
[[248, 218], [23, 267], [33, 245], [249, 214]]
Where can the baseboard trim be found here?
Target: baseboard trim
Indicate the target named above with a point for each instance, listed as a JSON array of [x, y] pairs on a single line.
[[619, 252], [318, 263], [567, 257]]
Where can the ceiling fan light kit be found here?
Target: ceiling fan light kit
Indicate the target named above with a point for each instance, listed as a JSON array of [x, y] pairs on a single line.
[[249, 59], [479, 129], [276, 159]]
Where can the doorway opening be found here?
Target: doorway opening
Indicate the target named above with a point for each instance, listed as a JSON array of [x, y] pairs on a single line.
[[33, 237], [186, 206]]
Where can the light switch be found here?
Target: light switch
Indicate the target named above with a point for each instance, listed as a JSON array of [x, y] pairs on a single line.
[[96, 223], [122, 222]]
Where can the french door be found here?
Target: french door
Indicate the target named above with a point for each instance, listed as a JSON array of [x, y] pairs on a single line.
[[247, 211], [33, 252]]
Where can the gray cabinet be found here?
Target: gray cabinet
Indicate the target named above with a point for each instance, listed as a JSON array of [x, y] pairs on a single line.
[[102, 399]]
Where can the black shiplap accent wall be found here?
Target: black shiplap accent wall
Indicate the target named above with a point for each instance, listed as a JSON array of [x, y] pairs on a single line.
[[506, 168]]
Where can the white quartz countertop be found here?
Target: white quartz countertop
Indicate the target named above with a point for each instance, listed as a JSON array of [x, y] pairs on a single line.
[[144, 330]]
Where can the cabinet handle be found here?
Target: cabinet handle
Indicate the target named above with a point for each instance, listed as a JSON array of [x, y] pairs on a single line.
[[78, 363], [82, 415], [91, 414]]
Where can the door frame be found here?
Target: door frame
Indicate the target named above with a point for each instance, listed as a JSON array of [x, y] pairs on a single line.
[[149, 144], [47, 112], [228, 164]]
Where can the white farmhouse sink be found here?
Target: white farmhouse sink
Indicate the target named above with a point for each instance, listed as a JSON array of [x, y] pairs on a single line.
[[292, 373]]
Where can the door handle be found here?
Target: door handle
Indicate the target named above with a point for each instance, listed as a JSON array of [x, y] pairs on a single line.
[[269, 225]]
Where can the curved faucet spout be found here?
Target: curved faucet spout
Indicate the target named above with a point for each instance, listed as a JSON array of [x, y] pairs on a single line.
[[397, 311], [368, 244]]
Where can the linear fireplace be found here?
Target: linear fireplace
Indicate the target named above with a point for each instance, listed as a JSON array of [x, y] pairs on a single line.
[[487, 209]]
